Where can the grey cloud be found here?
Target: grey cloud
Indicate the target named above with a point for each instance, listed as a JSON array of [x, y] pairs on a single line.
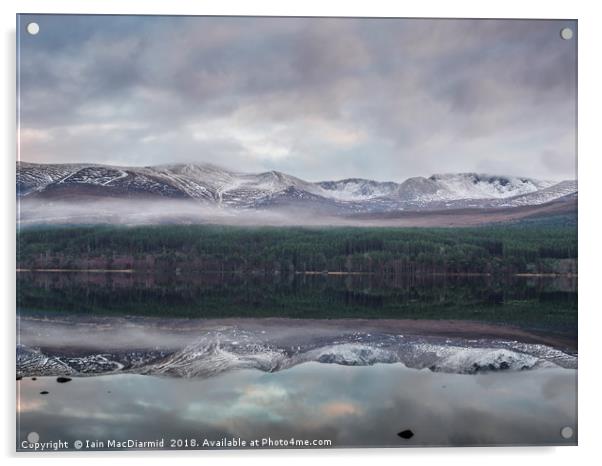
[[558, 162], [385, 99]]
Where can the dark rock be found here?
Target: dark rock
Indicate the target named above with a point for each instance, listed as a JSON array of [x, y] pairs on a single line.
[[19, 377], [44, 392], [34, 378], [406, 434], [63, 379]]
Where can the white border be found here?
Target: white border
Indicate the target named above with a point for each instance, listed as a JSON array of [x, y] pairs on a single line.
[[590, 184]]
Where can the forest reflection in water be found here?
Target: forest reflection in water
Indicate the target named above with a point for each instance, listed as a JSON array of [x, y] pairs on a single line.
[[544, 302], [349, 404]]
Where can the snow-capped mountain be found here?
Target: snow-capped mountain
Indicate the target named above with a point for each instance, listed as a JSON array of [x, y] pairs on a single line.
[[541, 196], [357, 189], [214, 185], [34, 177]]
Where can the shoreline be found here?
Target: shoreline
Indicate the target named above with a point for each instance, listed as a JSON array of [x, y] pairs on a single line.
[[308, 272]]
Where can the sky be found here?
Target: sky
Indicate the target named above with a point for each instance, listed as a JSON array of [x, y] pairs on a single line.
[[318, 98]]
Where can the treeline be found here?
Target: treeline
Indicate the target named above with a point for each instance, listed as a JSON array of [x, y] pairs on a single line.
[[509, 249]]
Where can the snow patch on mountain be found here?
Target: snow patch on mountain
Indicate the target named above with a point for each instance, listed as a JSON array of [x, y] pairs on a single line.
[[217, 186], [356, 189], [482, 186], [33, 177], [556, 191]]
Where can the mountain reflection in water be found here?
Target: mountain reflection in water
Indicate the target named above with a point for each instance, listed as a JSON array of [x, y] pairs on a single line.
[[352, 359]]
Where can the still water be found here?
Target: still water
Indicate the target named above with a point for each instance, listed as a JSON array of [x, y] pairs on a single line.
[[348, 361], [349, 406], [537, 302]]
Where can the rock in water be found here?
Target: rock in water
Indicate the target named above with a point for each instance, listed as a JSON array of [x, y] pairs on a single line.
[[63, 379], [406, 434], [44, 392]]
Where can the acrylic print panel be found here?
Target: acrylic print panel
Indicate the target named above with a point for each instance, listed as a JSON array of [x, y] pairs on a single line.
[[255, 232]]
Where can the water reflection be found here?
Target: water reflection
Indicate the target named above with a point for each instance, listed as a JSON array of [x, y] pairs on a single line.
[[352, 406], [549, 302], [147, 319]]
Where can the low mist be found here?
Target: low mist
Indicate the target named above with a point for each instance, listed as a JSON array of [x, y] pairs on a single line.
[[32, 212], [154, 212]]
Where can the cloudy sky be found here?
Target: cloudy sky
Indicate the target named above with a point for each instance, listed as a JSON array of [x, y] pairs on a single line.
[[317, 98]]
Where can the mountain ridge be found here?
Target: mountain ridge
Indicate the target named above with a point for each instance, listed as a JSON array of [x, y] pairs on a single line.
[[209, 183]]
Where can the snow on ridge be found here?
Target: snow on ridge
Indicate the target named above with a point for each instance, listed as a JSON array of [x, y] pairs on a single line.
[[556, 191], [218, 185], [356, 189], [484, 186]]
